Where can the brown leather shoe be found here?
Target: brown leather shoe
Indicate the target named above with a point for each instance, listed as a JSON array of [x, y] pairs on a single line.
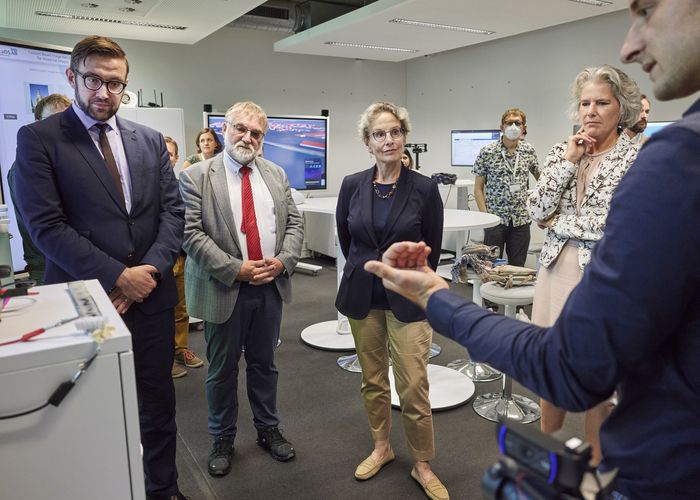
[[369, 467], [433, 489]]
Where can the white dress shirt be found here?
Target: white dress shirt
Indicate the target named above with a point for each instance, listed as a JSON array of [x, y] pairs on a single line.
[[114, 137], [264, 206]]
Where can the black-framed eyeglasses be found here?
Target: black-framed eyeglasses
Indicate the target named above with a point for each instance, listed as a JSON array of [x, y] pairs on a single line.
[[93, 82], [243, 130], [517, 123], [380, 135]]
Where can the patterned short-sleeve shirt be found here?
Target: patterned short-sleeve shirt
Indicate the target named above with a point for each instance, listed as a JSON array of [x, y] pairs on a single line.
[[501, 170]]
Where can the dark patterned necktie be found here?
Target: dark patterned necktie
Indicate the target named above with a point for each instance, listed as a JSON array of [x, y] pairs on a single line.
[[109, 158], [249, 224]]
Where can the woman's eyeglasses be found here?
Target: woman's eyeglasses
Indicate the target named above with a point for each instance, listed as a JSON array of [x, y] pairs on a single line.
[[380, 135]]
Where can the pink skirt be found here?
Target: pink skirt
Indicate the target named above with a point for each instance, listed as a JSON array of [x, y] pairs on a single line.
[[554, 284]]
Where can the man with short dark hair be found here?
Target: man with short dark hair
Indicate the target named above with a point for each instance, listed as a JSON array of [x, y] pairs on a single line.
[[49, 105], [635, 131], [501, 173], [618, 329], [101, 201]]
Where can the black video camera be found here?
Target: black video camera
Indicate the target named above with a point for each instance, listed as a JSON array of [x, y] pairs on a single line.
[[540, 466]]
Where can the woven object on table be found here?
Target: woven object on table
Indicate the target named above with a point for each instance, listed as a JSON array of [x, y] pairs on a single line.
[[510, 276], [480, 258], [476, 256]]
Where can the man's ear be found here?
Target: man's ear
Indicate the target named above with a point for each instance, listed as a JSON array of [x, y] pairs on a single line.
[[70, 75]]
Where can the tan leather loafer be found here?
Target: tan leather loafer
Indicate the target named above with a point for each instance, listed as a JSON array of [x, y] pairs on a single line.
[[434, 489], [369, 467]]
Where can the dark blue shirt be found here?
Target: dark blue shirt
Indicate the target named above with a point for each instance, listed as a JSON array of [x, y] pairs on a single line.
[[633, 322], [380, 213]]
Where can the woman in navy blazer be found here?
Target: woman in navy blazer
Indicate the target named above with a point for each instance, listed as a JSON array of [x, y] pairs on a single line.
[[377, 207]]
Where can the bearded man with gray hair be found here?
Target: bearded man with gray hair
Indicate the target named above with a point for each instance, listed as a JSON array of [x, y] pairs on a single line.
[[243, 237]]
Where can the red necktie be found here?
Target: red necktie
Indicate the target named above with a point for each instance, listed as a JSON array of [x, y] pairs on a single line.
[[249, 224], [109, 158]]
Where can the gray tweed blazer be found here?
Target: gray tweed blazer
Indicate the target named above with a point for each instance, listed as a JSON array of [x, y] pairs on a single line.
[[213, 251]]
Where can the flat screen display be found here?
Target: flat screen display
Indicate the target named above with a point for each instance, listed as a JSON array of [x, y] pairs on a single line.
[[654, 127], [466, 145], [29, 72], [298, 144]]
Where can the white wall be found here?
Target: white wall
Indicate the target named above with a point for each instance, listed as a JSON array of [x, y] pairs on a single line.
[[469, 88]]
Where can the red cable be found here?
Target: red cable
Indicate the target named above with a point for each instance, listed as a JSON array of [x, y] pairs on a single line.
[[30, 335], [25, 338]]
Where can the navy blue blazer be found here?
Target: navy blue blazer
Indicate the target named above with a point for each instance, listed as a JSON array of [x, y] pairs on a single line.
[[76, 217], [416, 215]]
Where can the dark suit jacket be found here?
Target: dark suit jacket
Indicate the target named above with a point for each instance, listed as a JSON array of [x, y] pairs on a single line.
[[416, 215], [75, 216]]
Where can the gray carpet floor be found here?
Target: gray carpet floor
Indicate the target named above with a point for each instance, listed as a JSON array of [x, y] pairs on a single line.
[[322, 415]]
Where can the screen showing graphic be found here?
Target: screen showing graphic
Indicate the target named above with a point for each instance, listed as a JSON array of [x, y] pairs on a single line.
[[29, 73], [298, 144], [466, 145]]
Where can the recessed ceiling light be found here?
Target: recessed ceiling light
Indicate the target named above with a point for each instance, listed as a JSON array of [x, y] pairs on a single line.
[[88, 5], [111, 21], [133, 2], [366, 46], [127, 9], [439, 26], [596, 3]]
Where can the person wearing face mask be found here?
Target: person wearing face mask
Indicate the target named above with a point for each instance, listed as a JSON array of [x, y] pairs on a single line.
[[501, 173]]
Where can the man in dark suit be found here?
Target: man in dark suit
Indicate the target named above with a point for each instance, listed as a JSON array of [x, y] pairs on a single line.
[[243, 237], [101, 202]]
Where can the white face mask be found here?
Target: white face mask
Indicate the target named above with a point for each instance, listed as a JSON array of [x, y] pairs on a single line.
[[512, 132]]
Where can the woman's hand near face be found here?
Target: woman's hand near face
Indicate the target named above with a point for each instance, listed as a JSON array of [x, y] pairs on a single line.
[[577, 145]]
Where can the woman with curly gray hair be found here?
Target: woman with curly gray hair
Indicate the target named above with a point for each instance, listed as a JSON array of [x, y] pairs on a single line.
[[572, 198]]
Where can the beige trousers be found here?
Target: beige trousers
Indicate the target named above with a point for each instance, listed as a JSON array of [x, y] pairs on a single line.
[[377, 337], [182, 320]]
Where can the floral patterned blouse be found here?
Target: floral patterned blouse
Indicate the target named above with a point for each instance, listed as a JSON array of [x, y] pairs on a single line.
[[501, 170], [555, 194]]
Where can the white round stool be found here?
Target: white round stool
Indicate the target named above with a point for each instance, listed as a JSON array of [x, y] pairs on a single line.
[[495, 405]]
